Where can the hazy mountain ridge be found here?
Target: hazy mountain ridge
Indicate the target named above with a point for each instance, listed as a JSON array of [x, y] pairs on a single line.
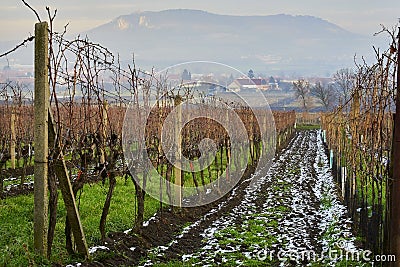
[[273, 44], [269, 43]]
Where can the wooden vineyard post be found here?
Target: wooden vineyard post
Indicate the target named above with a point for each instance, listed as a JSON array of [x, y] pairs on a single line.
[[43, 134], [42, 94], [103, 132], [265, 130], [177, 165], [13, 139], [228, 150], [251, 137], [395, 192]]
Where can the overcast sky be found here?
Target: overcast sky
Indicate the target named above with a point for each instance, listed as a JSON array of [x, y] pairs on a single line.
[[359, 16]]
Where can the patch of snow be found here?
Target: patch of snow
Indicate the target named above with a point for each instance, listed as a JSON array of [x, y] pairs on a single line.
[[153, 218], [94, 249]]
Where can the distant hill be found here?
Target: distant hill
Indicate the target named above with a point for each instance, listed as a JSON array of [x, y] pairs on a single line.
[[271, 45], [275, 43]]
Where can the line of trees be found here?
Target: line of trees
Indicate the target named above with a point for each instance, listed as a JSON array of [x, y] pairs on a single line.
[[328, 94]]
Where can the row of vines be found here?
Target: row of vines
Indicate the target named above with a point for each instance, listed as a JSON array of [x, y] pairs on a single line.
[[359, 136], [16, 135]]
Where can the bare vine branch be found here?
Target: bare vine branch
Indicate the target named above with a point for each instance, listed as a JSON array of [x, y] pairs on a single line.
[[33, 10], [23, 43]]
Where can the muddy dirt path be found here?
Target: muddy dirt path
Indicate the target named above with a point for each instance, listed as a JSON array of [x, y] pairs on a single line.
[[288, 216], [291, 212]]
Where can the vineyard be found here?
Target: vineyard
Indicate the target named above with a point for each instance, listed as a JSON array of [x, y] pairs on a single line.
[[359, 135], [89, 108], [93, 152], [105, 164]]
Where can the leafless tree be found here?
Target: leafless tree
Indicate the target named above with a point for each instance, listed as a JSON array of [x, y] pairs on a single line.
[[325, 93], [302, 90], [344, 83]]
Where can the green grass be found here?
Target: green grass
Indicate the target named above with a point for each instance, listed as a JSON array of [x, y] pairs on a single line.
[[16, 217], [308, 126], [16, 231], [19, 163]]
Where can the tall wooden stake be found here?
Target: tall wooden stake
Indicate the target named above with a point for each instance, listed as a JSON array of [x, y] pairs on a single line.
[[13, 139], [178, 138], [395, 192], [104, 126], [42, 94]]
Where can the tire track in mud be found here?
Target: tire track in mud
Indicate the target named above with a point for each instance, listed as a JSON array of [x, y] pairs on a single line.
[[278, 212]]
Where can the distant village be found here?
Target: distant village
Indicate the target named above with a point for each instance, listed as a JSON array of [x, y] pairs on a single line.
[[279, 90], [22, 74], [245, 82]]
